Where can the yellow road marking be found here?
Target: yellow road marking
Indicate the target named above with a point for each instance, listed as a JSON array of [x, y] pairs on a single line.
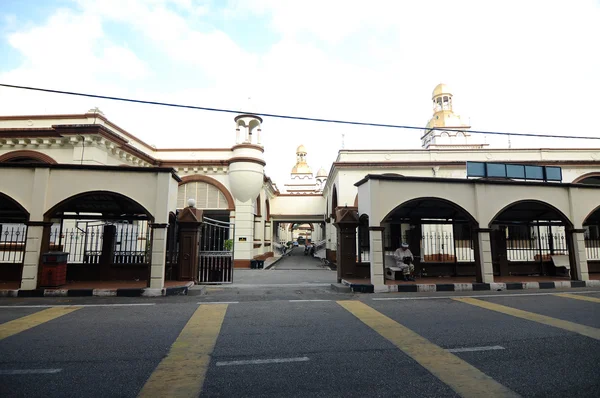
[[181, 373], [462, 377], [578, 297], [27, 322], [530, 316]]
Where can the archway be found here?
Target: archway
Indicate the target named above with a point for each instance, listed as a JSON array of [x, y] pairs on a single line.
[[13, 232], [588, 179], [592, 241], [334, 202], [526, 235], [26, 156], [439, 234], [106, 234]]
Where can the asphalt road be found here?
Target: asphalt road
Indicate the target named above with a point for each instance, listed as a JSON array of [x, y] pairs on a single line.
[[530, 344]]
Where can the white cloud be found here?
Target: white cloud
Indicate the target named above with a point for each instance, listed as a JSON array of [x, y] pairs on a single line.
[[514, 66]]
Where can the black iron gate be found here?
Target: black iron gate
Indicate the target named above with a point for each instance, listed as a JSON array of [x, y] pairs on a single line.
[[216, 252]]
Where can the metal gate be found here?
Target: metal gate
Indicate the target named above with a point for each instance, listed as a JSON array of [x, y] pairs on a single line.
[[216, 252]]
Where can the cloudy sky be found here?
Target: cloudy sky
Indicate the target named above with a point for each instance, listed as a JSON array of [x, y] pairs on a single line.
[[523, 66]]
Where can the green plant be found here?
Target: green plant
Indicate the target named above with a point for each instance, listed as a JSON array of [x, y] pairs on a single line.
[[228, 244], [289, 244]]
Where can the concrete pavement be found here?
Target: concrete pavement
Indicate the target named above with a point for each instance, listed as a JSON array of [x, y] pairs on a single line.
[[412, 345]]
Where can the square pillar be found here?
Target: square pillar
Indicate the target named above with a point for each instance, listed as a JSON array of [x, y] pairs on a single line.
[[346, 224], [37, 234], [578, 254], [484, 269], [158, 256], [376, 251], [189, 221], [244, 234]]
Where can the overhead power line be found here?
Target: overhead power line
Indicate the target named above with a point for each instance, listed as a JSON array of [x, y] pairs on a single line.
[[310, 119]]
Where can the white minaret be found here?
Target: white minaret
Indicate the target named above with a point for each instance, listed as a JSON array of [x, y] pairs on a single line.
[[246, 178]]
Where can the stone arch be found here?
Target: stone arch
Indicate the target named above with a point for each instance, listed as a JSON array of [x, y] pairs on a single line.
[[11, 210], [26, 156], [526, 206], [258, 206], [593, 217], [268, 207], [110, 204], [593, 177], [213, 182], [448, 209], [334, 201]]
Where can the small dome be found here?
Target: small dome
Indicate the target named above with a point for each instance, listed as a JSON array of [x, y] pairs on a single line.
[[301, 149], [301, 168], [321, 173], [441, 89]]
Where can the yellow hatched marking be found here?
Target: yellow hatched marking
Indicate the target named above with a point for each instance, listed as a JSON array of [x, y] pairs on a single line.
[[181, 373], [462, 377], [578, 297], [530, 316], [27, 322]]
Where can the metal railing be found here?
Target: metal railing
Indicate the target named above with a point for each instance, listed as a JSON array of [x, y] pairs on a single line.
[[131, 244], [592, 247], [216, 252], [12, 243]]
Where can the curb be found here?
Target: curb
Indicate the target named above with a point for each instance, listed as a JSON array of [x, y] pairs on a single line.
[[273, 263], [465, 287], [341, 288], [125, 292]]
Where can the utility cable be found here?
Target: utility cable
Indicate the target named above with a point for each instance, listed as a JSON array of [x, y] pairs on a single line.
[[311, 119]]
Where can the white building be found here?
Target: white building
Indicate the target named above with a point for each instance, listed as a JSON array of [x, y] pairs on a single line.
[[57, 170]]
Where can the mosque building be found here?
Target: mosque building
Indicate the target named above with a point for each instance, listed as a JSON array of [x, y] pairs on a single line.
[[126, 210]]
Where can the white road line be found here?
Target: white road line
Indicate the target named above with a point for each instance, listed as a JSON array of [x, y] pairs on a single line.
[[475, 296], [29, 371], [470, 349], [302, 301], [262, 361], [77, 305], [219, 302]]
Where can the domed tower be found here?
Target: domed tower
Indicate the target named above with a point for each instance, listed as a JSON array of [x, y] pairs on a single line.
[[301, 170], [301, 178], [445, 118], [321, 179], [246, 166], [246, 178]]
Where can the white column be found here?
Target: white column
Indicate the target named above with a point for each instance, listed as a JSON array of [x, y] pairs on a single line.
[[159, 251], [33, 247], [485, 255], [580, 255], [376, 256], [244, 230]]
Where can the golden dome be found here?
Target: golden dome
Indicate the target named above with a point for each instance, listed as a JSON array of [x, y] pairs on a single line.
[[441, 89], [321, 173], [301, 149], [301, 168]]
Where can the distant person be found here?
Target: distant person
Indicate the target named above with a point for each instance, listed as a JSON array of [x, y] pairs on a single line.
[[404, 260]]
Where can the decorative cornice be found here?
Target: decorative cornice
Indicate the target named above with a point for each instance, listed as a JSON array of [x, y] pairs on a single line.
[[238, 117], [248, 146], [247, 160]]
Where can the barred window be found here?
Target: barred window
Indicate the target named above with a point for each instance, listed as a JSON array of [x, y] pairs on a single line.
[[207, 196]]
